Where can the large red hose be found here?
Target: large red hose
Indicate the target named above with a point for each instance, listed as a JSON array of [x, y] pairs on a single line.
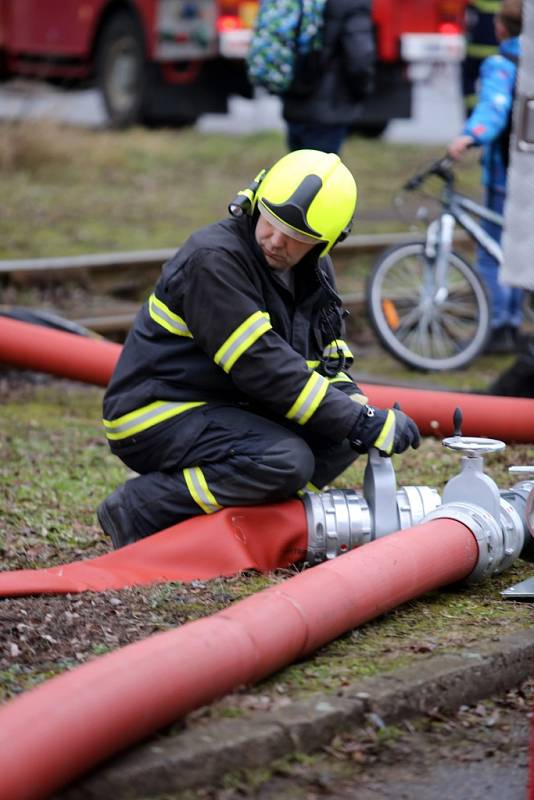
[[508, 418], [65, 354], [53, 733], [257, 537]]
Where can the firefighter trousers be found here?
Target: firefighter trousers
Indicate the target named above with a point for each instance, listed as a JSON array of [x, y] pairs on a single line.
[[219, 456]]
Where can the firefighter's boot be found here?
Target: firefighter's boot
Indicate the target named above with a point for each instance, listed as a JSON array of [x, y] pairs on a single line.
[[115, 521]]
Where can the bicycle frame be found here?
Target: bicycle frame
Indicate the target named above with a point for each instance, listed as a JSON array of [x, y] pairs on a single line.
[[438, 244]]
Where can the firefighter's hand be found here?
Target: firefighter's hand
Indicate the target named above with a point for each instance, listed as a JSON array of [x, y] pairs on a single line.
[[459, 145], [390, 431]]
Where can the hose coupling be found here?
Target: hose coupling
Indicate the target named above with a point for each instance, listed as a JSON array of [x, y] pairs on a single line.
[[340, 520], [521, 497], [499, 542]]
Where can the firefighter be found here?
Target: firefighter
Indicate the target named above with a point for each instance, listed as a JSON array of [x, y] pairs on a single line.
[[233, 387], [481, 43]]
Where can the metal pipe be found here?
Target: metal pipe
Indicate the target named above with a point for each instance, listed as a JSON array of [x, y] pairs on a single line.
[[93, 361], [70, 723]]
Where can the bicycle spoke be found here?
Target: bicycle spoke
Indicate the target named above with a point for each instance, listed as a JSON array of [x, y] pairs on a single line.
[[465, 327], [445, 343]]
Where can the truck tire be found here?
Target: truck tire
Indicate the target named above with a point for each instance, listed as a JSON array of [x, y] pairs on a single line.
[[121, 70]]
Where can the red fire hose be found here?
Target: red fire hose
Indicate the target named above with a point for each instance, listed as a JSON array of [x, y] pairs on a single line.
[[54, 733], [71, 356], [256, 537], [64, 354]]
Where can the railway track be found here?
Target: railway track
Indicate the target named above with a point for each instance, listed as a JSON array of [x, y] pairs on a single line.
[[122, 275]]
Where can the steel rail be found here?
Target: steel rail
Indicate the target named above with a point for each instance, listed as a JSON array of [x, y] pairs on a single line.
[[121, 321], [363, 242]]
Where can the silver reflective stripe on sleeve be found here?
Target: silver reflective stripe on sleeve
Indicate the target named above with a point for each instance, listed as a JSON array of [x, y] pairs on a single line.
[[199, 491], [143, 418], [241, 339], [162, 315], [309, 399]]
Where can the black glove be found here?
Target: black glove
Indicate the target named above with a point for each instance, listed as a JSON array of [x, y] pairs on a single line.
[[390, 431]]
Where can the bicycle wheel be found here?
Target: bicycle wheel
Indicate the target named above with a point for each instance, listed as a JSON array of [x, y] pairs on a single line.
[[425, 328]]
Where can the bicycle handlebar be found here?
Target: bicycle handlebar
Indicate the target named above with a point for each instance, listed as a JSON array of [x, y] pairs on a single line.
[[441, 168]]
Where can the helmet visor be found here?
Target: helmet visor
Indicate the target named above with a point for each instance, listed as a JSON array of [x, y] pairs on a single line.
[[281, 226]]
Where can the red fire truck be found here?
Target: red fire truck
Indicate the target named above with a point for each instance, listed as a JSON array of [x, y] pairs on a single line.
[[172, 60]]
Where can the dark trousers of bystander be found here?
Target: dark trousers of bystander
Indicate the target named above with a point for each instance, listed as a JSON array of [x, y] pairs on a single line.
[[315, 136]]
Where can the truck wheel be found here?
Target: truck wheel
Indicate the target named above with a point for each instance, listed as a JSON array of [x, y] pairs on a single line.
[[121, 70]]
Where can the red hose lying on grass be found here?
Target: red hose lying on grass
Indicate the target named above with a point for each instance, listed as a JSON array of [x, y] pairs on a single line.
[[234, 539], [55, 732], [67, 355], [64, 354]]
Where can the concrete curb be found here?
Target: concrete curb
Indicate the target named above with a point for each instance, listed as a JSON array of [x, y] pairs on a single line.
[[202, 755]]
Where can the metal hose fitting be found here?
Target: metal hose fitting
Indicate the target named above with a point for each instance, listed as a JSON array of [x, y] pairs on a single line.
[[499, 542], [340, 520]]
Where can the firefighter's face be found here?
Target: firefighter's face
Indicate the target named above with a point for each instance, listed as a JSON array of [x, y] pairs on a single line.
[[280, 250]]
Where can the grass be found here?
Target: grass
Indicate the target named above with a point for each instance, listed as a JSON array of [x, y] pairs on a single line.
[[67, 191]]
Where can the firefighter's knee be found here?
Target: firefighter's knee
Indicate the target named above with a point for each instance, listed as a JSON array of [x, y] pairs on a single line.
[[289, 466]]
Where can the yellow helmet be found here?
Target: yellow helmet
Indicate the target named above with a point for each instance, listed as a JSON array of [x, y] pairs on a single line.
[[308, 194]]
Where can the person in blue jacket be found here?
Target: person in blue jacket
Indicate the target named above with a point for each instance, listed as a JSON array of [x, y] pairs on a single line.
[[488, 127]]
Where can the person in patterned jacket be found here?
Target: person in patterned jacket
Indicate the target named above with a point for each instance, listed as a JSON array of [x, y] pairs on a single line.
[[488, 126], [233, 386]]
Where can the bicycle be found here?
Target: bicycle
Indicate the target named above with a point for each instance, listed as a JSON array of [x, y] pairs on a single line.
[[427, 305]]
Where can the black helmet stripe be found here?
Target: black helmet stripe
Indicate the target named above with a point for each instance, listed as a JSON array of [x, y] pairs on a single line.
[[293, 212]]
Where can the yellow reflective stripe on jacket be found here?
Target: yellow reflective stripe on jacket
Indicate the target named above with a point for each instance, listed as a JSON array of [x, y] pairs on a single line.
[[199, 491], [470, 101], [241, 339], [330, 351], [309, 399], [313, 364], [143, 418], [486, 6], [385, 439], [475, 50], [310, 487], [163, 315], [341, 377]]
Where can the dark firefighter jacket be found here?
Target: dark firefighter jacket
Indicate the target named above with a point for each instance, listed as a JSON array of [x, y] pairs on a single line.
[[221, 327]]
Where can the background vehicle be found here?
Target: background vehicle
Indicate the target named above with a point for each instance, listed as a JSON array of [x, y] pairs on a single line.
[[427, 305], [172, 60]]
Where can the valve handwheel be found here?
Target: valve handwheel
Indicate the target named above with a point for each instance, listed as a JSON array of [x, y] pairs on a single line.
[[470, 445], [473, 445]]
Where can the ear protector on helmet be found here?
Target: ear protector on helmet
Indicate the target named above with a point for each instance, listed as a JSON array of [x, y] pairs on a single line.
[[243, 202], [345, 232]]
